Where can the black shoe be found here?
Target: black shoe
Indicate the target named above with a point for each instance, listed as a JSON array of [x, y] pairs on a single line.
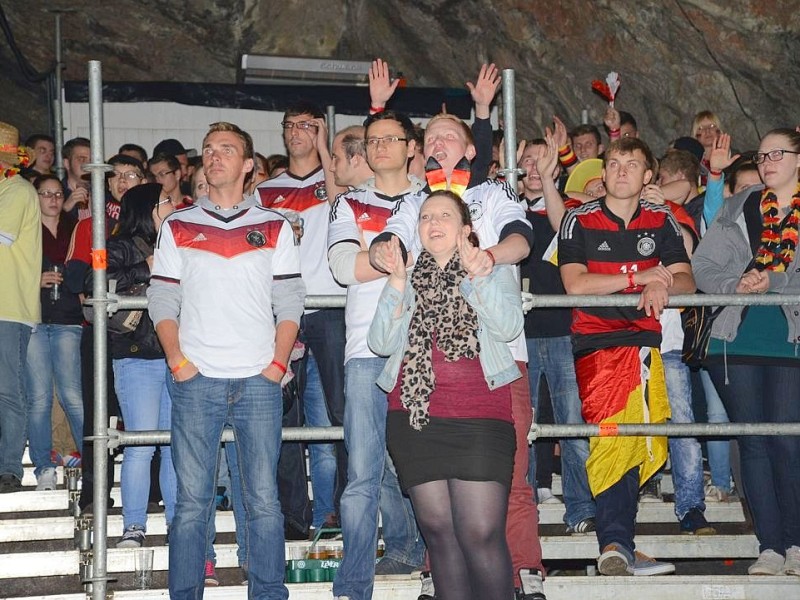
[[531, 585], [582, 527], [9, 483], [694, 523], [292, 533]]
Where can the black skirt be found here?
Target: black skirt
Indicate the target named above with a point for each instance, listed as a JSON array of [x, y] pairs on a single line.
[[467, 449]]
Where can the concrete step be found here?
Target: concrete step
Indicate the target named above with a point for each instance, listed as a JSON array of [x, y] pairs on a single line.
[[46, 564], [673, 587]]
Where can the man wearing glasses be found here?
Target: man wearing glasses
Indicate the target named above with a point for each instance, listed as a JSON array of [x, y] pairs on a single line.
[[357, 218], [166, 170], [302, 196]]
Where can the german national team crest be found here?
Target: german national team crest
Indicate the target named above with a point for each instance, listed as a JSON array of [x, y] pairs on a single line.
[[646, 246], [475, 211], [320, 193], [256, 239]]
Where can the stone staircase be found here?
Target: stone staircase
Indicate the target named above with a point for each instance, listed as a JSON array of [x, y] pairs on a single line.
[[40, 559]]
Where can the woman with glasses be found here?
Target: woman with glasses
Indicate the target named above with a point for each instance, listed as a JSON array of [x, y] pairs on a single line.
[[753, 358], [54, 350], [706, 128], [138, 360]]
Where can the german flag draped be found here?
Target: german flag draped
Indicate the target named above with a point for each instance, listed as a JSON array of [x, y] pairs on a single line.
[[623, 384]]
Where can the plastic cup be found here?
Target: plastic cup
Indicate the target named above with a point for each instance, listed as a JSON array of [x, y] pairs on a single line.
[[143, 568]]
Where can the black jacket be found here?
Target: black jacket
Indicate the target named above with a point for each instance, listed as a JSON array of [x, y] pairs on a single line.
[[127, 264]]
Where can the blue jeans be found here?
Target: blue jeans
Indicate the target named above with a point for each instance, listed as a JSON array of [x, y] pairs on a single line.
[[145, 405], [228, 472], [201, 407], [323, 333], [685, 453], [401, 537], [770, 464], [54, 356], [553, 357], [616, 513], [323, 455], [13, 356], [719, 451], [365, 438]]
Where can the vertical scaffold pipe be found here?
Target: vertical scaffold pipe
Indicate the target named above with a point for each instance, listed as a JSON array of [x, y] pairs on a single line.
[[510, 127], [99, 292], [331, 122]]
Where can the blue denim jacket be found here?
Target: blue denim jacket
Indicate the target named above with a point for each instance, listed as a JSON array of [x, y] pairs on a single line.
[[495, 298]]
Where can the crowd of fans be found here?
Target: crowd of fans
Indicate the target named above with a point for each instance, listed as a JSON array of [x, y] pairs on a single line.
[[437, 366]]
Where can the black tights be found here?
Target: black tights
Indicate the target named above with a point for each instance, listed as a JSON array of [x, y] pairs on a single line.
[[464, 526]]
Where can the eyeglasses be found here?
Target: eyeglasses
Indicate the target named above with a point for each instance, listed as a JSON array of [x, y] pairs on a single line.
[[129, 175], [49, 194], [287, 125], [163, 174], [702, 128], [773, 155], [374, 142]]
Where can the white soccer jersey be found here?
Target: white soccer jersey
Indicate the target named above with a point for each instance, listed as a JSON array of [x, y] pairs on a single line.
[[492, 206], [305, 198], [226, 269], [358, 217]]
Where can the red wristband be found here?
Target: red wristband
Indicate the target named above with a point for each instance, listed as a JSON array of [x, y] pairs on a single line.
[[374, 110], [631, 284], [281, 366], [714, 173], [489, 252]]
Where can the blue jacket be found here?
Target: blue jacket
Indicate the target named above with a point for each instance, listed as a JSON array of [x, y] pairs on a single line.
[[495, 298]]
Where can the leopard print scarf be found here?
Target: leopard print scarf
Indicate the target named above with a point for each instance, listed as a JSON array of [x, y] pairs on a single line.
[[442, 311]]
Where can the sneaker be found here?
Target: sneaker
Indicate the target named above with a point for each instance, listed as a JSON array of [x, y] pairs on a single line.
[[46, 480], [530, 585], [72, 460], [211, 574], [614, 561], [792, 564], [651, 491], [9, 483], [694, 523], [545, 496], [390, 566], [582, 527], [132, 537], [769, 563], [426, 591], [644, 566]]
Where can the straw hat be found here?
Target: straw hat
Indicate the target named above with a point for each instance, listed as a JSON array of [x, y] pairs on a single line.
[[581, 175], [9, 145]]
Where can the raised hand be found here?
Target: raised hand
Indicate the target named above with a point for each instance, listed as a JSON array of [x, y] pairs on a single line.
[[653, 193], [720, 157], [612, 119], [484, 89], [381, 86], [559, 132], [393, 259], [547, 162]]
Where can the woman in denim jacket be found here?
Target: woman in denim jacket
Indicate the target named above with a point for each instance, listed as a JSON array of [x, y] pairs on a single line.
[[449, 426]]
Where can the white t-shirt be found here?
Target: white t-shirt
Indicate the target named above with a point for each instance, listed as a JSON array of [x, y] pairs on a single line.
[[492, 205], [226, 270], [307, 199], [358, 217]]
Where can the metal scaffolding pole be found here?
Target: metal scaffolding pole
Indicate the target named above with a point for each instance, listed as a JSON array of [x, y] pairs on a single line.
[[510, 169], [58, 108], [97, 572], [331, 118]]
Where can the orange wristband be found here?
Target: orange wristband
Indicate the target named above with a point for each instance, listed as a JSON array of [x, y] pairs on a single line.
[[631, 284], [179, 366]]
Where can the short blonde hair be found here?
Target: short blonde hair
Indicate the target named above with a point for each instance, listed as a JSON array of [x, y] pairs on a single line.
[[464, 127], [704, 115]]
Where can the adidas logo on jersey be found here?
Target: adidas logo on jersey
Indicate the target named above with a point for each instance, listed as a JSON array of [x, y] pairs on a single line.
[[364, 217], [604, 247], [200, 238]]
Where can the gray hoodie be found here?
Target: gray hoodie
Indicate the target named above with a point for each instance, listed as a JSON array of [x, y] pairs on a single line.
[[721, 258]]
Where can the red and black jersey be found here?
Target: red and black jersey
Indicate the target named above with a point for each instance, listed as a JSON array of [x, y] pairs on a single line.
[[592, 235]]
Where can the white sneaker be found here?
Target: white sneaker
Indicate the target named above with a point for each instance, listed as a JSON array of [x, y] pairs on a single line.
[[46, 480], [769, 563], [716, 494], [792, 564]]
